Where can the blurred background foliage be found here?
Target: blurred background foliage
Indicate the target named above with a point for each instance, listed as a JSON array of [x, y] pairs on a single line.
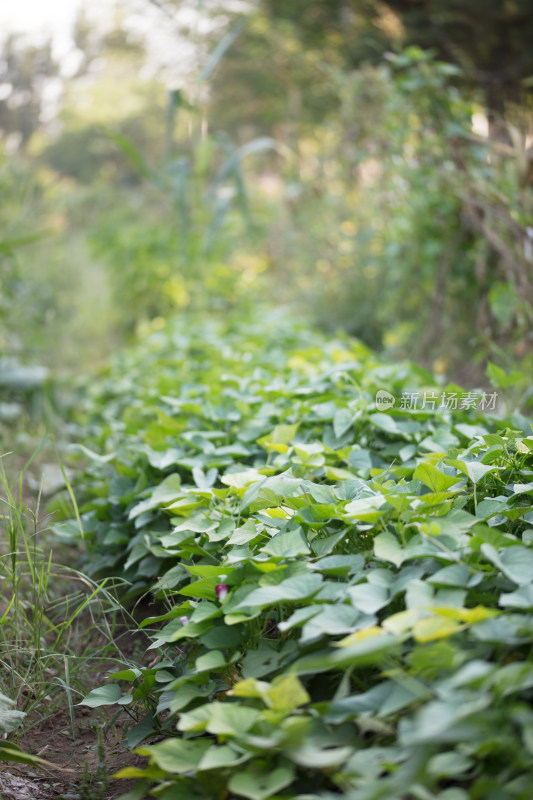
[[367, 164]]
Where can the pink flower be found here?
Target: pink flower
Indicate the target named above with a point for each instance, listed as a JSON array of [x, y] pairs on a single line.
[[221, 591], [184, 620]]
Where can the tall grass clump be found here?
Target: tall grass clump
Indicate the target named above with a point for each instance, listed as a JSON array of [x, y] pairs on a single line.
[[56, 625]]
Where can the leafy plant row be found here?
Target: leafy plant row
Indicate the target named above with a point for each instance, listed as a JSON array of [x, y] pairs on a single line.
[[346, 592]]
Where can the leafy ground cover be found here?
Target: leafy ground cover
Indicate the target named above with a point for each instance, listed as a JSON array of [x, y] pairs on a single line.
[[344, 584]]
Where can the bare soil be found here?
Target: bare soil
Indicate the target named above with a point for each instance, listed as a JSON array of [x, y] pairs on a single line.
[[72, 757]]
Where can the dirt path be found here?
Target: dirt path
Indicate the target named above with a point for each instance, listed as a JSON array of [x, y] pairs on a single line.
[[81, 775]]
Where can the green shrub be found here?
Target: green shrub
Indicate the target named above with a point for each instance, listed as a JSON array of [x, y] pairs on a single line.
[[346, 586], [405, 227]]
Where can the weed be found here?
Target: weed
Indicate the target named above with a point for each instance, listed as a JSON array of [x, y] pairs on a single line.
[[94, 782], [57, 626]]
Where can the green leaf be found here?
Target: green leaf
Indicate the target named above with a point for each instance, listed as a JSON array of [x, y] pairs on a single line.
[[231, 719], [185, 695], [290, 590], [107, 695], [502, 380], [220, 49], [474, 469], [92, 455], [385, 422], [287, 544], [204, 611], [388, 548], [332, 620], [279, 438], [239, 480], [521, 598], [515, 562], [134, 155], [250, 687], [342, 422], [146, 727], [195, 720], [260, 661], [372, 646], [360, 460], [454, 575], [447, 765], [222, 757], [339, 566], [204, 588], [368, 598], [9, 751], [126, 674], [432, 477], [10, 718], [176, 755], [366, 508], [258, 783], [287, 692], [210, 661], [322, 547], [222, 636], [176, 630], [245, 533], [313, 757]]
